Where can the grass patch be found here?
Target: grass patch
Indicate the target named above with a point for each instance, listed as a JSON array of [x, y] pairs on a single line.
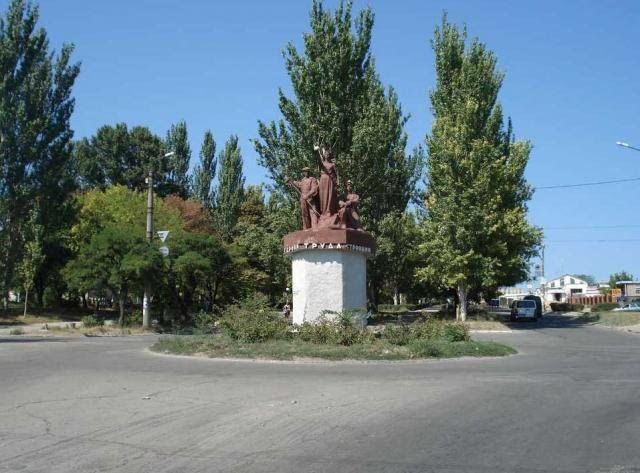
[[224, 347], [612, 319]]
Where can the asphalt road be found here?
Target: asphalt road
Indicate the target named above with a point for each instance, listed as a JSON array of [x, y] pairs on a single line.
[[569, 402]]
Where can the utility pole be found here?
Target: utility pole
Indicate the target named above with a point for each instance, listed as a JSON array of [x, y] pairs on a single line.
[[543, 281], [146, 301]]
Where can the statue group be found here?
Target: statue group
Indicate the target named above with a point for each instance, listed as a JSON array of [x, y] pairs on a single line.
[[319, 202]]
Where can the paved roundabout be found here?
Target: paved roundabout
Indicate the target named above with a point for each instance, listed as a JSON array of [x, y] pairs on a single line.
[[568, 402]]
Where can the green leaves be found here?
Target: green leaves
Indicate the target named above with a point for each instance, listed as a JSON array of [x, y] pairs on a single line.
[[476, 232], [230, 190], [35, 108], [205, 172]]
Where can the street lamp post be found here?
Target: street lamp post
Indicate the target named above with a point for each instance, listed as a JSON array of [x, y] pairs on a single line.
[[627, 145], [146, 300]]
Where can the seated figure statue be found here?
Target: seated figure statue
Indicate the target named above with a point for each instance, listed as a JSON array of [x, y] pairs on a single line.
[[348, 209]]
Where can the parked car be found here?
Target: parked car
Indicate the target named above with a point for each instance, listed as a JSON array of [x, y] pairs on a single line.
[[538, 302], [524, 309], [633, 307]]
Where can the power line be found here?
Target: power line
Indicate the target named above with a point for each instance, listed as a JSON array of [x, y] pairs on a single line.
[[595, 241], [584, 184], [589, 227]]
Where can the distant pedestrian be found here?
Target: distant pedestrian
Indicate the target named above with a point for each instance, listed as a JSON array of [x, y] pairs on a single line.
[[286, 310]]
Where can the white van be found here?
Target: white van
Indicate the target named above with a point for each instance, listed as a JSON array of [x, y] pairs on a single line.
[[523, 310]]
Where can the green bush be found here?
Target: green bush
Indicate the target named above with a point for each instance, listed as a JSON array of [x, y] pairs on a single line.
[[16, 331], [337, 330], [89, 321], [565, 307], [133, 319], [423, 347], [204, 321], [398, 334], [438, 329], [432, 329], [253, 320], [604, 307]]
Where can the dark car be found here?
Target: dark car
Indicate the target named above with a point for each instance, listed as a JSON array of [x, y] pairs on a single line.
[[538, 301]]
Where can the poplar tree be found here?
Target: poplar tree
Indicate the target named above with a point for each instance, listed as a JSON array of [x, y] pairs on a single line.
[[339, 101], [119, 155], [178, 164], [35, 134], [476, 232], [230, 190], [205, 172]]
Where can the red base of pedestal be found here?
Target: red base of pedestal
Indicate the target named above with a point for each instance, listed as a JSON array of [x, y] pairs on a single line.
[[329, 238]]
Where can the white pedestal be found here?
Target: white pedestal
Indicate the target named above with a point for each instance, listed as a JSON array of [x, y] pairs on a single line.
[[327, 279]]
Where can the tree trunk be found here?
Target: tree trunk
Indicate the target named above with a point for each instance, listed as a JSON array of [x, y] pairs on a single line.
[[121, 305], [462, 296], [396, 295], [26, 301]]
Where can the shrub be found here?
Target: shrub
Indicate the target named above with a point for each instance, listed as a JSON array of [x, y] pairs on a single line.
[[89, 321], [343, 329], [426, 348], [565, 307], [604, 307], [204, 321], [133, 319], [16, 331], [438, 329], [252, 320], [397, 334]]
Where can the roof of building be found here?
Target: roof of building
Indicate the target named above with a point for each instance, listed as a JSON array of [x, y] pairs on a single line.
[[627, 282], [571, 276]]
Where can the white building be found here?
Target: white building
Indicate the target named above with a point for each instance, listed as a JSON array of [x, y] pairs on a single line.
[[561, 288]]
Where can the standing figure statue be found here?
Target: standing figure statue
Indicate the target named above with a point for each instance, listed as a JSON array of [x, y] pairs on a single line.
[[307, 189], [348, 213], [328, 183]]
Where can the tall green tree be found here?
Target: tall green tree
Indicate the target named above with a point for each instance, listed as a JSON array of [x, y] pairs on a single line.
[[114, 260], [33, 256], [205, 172], [588, 278], [340, 101], [177, 178], [476, 233], [396, 250], [119, 155], [621, 276], [230, 190], [35, 134]]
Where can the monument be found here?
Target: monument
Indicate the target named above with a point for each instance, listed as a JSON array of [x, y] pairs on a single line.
[[329, 255]]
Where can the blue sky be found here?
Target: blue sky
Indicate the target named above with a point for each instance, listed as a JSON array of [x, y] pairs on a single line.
[[572, 87]]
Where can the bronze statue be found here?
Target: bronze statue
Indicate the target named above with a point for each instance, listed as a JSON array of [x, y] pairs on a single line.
[[348, 213], [328, 183], [307, 189]]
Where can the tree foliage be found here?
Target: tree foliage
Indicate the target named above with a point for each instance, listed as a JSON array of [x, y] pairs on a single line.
[[123, 208], [588, 278], [476, 233], [119, 155], [205, 172], [340, 101], [396, 250], [35, 134], [177, 178], [621, 276], [230, 191], [114, 260]]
